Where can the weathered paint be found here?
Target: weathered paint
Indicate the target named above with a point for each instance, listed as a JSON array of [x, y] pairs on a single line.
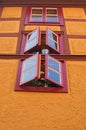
[[44, 111]]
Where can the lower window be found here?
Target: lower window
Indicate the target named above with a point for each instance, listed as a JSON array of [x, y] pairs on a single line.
[[42, 73]]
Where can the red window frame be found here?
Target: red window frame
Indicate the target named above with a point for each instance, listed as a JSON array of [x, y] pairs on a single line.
[[56, 41], [59, 16], [54, 70], [24, 70], [24, 40], [37, 37], [62, 88]]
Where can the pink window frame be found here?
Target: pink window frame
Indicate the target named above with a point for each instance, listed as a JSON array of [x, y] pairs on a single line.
[[63, 89], [58, 37], [44, 22], [24, 38], [46, 70], [37, 67]]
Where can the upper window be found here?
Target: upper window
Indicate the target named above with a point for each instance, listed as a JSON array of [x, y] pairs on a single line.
[[51, 15], [36, 15], [44, 15]]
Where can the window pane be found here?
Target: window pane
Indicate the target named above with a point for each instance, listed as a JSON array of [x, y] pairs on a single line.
[[54, 64], [36, 15], [52, 43], [36, 18], [36, 11], [51, 19], [28, 75], [32, 35], [32, 40], [52, 75], [29, 69], [52, 11], [52, 35], [30, 44], [28, 63]]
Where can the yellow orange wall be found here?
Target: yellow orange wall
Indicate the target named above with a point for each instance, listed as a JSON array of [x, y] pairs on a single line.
[[43, 111]]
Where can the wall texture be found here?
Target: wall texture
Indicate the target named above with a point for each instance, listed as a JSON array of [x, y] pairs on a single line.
[[43, 111]]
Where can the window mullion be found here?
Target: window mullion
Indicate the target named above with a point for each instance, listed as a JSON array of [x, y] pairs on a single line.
[[44, 14]]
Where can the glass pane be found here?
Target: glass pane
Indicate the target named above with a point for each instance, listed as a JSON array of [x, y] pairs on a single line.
[[28, 75], [30, 44], [51, 19], [51, 11], [28, 63], [54, 64], [52, 35], [36, 18], [54, 76], [32, 35], [36, 11], [52, 43]]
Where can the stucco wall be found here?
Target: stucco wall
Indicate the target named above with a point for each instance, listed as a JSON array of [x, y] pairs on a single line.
[[75, 21], [43, 111], [8, 45]]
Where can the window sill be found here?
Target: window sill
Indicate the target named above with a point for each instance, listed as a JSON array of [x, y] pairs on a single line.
[[45, 23], [42, 89]]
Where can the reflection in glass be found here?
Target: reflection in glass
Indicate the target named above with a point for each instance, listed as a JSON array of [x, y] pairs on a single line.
[[28, 63], [36, 15], [32, 35], [30, 44], [52, 35], [36, 19], [28, 75], [51, 15], [51, 19], [54, 64], [29, 69], [31, 40], [54, 76], [52, 43]]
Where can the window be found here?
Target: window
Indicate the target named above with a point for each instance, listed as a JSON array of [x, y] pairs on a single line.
[[53, 70], [51, 15], [36, 15], [52, 40], [38, 41], [32, 40], [30, 69], [41, 71], [44, 15]]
